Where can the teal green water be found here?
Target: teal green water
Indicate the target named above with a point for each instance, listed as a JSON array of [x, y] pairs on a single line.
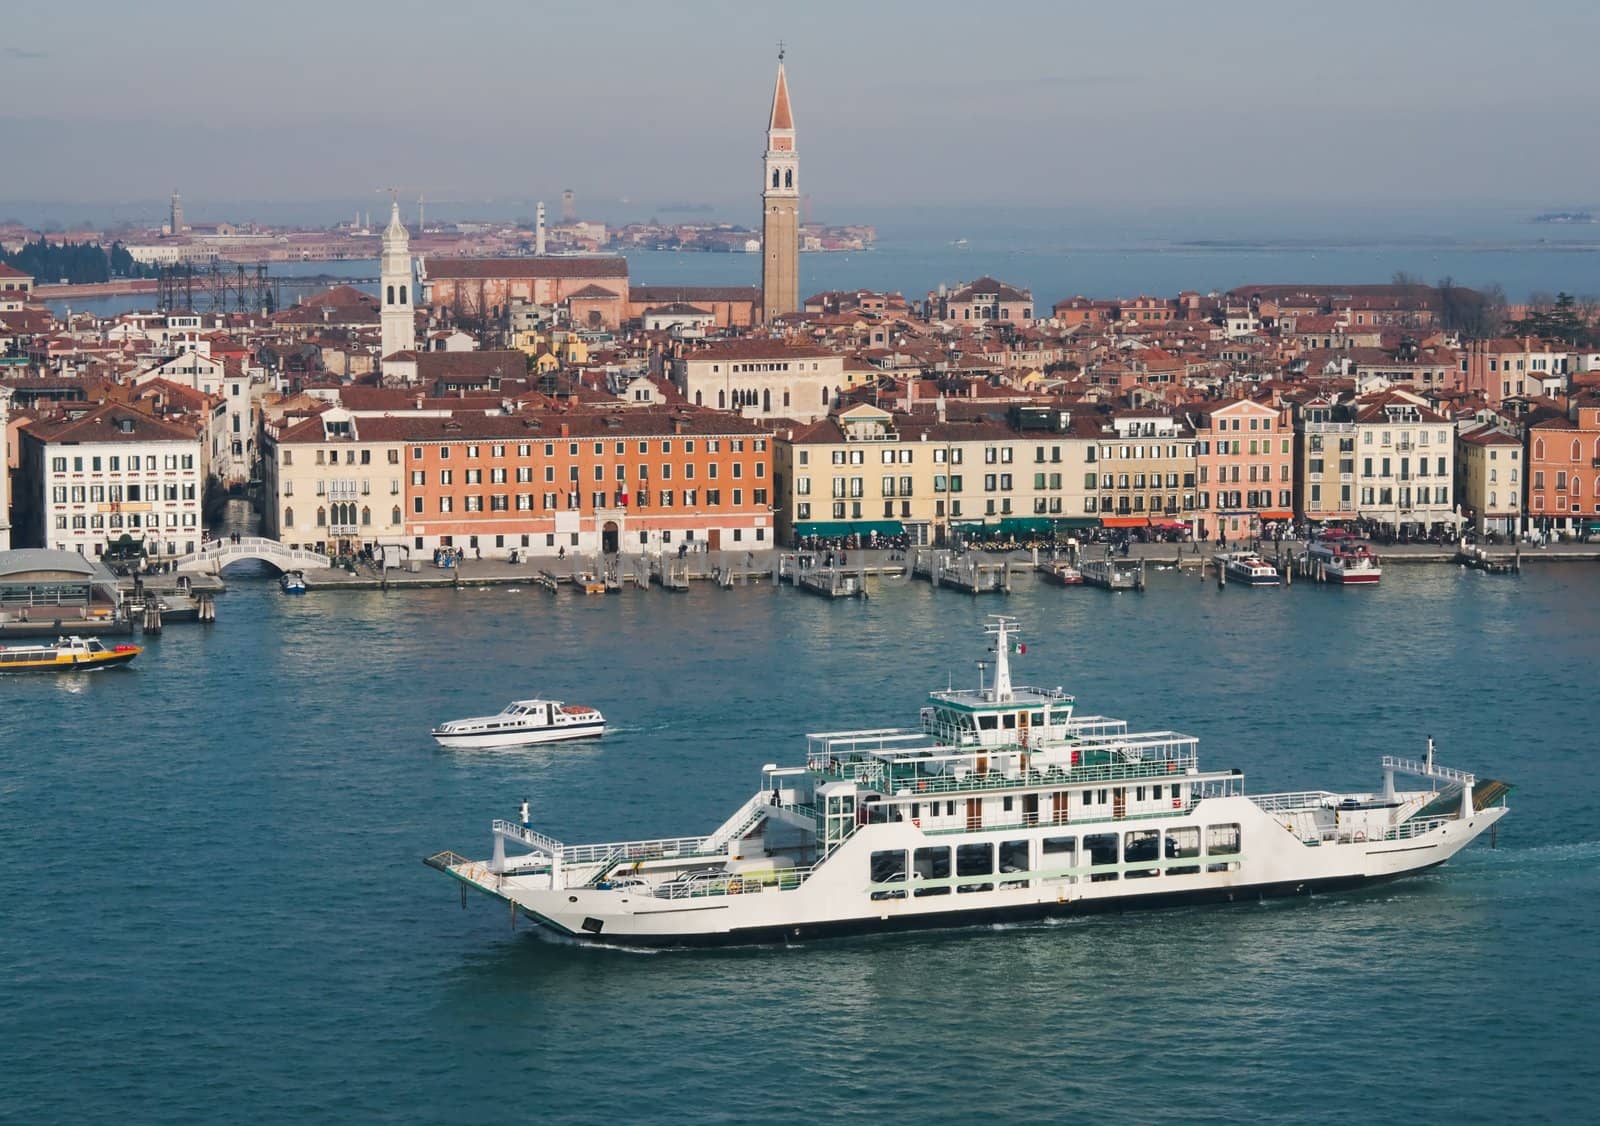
[[214, 908]]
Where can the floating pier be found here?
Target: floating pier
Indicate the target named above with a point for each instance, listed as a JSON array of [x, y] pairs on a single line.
[[1480, 560], [1113, 574]]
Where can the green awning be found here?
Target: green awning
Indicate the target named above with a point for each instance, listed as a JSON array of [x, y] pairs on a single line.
[[840, 528], [1026, 525], [1592, 526], [1074, 523]]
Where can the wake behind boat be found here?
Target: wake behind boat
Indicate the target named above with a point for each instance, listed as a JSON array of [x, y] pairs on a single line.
[[523, 723], [1003, 805]]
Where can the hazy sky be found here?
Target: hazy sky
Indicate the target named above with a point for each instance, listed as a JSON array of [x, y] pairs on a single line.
[[948, 103]]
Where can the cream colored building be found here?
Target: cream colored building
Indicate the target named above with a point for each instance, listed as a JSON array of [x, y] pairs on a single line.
[[761, 378], [936, 479], [1489, 478], [327, 488], [1147, 463]]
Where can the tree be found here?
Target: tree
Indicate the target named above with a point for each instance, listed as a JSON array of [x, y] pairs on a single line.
[[1472, 314]]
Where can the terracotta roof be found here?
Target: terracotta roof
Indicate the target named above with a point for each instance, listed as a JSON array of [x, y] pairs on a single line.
[[757, 349], [583, 424], [459, 365], [7, 271], [592, 292], [782, 117], [597, 266], [106, 425], [693, 294]]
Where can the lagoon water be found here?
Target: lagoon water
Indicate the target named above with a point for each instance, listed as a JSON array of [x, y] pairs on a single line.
[[214, 907]]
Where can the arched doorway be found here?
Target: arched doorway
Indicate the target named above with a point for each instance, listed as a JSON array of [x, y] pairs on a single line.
[[608, 538]]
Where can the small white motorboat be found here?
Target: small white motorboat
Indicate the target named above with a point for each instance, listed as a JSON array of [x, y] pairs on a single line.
[[523, 723]]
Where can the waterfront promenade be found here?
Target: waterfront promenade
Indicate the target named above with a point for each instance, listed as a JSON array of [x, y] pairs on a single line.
[[743, 568]]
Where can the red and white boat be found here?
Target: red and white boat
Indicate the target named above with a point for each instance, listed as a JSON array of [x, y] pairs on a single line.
[[1343, 561]]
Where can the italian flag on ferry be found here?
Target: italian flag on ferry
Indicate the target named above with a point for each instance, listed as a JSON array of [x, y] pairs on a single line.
[[1019, 648]]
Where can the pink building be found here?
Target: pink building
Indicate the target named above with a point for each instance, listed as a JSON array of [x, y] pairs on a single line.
[[1245, 464]]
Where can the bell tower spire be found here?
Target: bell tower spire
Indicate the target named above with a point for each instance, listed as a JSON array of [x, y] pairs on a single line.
[[780, 207], [396, 320]]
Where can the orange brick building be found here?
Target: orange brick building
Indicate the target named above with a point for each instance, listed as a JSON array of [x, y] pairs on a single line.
[[1563, 462], [610, 479]]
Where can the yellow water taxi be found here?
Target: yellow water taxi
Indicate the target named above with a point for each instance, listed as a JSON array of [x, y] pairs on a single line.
[[67, 653]]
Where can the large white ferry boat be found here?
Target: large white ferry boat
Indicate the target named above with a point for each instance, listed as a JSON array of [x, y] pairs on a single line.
[[1004, 805]]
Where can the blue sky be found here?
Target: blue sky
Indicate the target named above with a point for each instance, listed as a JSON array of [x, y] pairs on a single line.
[[954, 104]]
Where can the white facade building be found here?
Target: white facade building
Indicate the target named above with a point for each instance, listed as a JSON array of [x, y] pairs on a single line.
[[761, 378], [112, 472]]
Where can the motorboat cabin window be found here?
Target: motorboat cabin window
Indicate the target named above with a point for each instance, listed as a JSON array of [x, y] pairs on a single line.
[[975, 860], [1140, 845], [1101, 848], [1014, 858], [889, 867], [932, 864]]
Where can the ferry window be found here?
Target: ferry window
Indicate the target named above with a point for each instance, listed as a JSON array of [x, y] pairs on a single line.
[[1138, 793], [1101, 848], [988, 722], [1037, 719], [1155, 792], [932, 864], [1182, 843], [1141, 844], [949, 809], [1060, 717], [888, 868], [1060, 846], [975, 860], [1088, 797], [1006, 804], [1222, 840], [1014, 858], [1010, 721]]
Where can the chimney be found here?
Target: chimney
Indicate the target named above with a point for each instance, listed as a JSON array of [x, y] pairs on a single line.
[[938, 405], [566, 430]]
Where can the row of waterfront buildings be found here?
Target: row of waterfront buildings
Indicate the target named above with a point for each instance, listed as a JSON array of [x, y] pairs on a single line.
[[545, 403]]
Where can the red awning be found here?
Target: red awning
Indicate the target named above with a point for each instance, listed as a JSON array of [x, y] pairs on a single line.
[[1125, 522]]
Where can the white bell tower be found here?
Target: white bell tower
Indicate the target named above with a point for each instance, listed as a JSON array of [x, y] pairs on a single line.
[[396, 287]]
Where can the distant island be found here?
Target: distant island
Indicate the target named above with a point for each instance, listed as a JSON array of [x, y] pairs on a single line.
[[686, 208], [1565, 217]]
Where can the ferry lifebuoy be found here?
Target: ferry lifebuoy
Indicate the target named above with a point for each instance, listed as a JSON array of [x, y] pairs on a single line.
[[1360, 836], [922, 787], [1172, 767]]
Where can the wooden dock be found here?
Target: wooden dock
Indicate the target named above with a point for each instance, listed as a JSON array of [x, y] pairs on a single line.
[[1114, 574], [1480, 560]]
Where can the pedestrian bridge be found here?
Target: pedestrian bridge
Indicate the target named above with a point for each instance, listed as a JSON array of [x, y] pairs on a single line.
[[217, 554]]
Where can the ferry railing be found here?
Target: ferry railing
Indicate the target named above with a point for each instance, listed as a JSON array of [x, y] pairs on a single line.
[[1424, 770], [534, 840], [729, 883], [960, 781], [735, 826], [1078, 820], [1296, 800], [664, 849], [1349, 834]]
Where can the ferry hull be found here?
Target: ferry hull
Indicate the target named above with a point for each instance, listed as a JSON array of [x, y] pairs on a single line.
[[835, 904], [494, 739], [785, 934]]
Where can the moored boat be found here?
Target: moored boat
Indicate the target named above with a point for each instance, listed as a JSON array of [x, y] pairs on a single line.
[[68, 654], [1060, 572], [1249, 568], [1004, 804], [1343, 561], [523, 723], [292, 582]]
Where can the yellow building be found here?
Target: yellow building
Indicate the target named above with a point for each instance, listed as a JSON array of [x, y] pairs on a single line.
[[1489, 478], [937, 479]]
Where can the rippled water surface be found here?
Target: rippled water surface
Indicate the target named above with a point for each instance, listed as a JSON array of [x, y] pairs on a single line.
[[214, 909]]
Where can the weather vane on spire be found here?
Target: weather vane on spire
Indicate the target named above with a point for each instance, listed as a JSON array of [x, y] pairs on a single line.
[[780, 50]]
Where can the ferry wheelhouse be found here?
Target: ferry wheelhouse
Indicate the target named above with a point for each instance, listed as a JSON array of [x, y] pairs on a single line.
[[1249, 568], [1004, 804], [1340, 561]]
